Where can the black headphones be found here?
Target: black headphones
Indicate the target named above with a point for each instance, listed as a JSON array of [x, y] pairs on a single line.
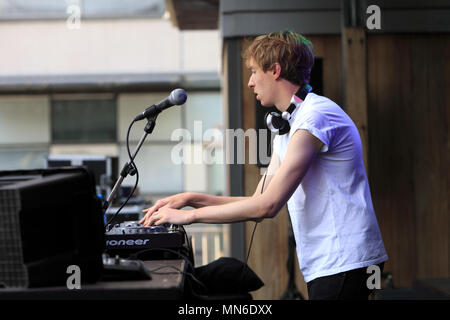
[[279, 122]]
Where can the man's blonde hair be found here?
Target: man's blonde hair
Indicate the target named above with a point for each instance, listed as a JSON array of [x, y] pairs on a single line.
[[291, 50]]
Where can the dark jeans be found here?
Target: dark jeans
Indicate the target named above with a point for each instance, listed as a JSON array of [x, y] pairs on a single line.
[[349, 285]]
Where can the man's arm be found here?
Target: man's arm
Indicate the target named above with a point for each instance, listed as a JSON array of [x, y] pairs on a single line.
[[199, 200], [267, 177], [302, 150]]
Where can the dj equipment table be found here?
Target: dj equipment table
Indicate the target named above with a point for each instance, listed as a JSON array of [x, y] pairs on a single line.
[[166, 284]]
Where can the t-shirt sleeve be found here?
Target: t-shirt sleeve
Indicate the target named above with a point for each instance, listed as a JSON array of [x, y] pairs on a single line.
[[317, 124]]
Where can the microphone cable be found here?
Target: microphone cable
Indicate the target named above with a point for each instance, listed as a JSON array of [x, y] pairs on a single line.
[[137, 176]]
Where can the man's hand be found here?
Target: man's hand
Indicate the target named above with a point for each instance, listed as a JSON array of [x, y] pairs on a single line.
[[169, 215], [176, 201]]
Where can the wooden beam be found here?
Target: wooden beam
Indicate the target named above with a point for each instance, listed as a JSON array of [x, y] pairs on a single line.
[[355, 82], [233, 108], [194, 14]]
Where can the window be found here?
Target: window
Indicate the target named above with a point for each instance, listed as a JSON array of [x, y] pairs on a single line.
[[24, 131], [89, 9], [88, 120]]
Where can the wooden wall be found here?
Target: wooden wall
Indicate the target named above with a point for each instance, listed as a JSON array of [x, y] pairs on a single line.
[[409, 151], [269, 251], [408, 94]]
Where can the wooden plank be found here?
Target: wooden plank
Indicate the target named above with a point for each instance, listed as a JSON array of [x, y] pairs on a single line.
[[329, 48], [390, 162], [226, 109], [409, 85], [355, 71], [235, 171], [430, 104]]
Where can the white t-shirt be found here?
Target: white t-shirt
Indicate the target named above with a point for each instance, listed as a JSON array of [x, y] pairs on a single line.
[[331, 211]]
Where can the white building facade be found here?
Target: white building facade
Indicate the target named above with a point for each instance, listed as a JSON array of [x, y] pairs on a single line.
[[74, 87]]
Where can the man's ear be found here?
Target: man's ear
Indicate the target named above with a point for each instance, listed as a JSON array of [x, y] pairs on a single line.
[[276, 70]]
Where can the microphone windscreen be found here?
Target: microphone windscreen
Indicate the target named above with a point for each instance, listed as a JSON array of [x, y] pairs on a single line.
[[178, 96]]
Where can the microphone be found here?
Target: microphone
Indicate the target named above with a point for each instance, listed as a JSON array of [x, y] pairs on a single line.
[[176, 97]]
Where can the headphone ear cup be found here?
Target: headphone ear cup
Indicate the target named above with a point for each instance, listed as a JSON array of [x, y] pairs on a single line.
[[276, 124], [284, 127], [268, 120]]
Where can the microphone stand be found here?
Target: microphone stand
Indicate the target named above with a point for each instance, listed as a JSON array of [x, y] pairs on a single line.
[[129, 168]]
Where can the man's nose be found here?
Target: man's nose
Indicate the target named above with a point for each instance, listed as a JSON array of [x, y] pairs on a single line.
[[250, 84]]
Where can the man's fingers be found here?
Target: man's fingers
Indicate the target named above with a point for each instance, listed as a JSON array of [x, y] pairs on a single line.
[[145, 216], [156, 219], [150, 211], [151, 220], [148, 220], [155, 207], [143, 220]]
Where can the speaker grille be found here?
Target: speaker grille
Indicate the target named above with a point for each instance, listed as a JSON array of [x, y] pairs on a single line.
[[13, 273]]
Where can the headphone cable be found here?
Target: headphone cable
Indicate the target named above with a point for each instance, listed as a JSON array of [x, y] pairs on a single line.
[[253, 233], [256, 223]]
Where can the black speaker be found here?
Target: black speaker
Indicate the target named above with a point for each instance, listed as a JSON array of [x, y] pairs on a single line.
[[50, 219]]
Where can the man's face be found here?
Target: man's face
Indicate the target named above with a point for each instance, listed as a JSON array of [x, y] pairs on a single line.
[[262, 83]]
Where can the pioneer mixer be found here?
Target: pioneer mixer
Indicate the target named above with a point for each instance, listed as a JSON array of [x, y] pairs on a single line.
[[130, 237]]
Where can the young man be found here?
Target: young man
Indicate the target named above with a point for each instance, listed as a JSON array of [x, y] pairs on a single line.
[[316, 168]]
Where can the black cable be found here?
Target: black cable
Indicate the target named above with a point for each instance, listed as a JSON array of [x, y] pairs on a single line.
[[136, 254], [251, 242], [163, 267], [191, 251], [137, 176], [128, 145], [256, 223], [155, 271], [251, 239]]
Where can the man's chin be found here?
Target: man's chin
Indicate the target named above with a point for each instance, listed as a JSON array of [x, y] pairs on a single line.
[[266, 105], [262, 103]]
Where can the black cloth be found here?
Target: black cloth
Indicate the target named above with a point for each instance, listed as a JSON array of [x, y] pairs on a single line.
[[349, 285], [228, 276]]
